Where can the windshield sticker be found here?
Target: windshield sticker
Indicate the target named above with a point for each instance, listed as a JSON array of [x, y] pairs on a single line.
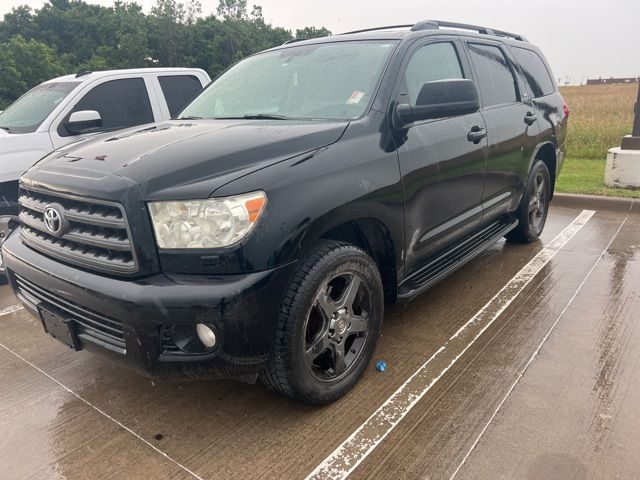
[[355, 97]]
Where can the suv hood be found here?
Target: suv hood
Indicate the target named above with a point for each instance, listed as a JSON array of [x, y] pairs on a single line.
[[186, 159]]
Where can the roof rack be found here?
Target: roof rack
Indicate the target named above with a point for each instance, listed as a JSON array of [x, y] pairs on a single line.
[[475, 28], [437, 24], [388, 27], [82, 73]]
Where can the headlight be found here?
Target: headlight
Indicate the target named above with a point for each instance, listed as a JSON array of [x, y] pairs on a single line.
[[210, 223]]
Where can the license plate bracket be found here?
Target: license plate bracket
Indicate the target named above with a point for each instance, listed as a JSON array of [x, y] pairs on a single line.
[[60, 328]]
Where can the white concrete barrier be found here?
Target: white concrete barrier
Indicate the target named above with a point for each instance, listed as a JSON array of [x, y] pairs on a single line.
[[623, 169]]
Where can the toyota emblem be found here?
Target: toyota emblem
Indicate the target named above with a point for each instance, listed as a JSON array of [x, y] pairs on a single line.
[[54, 219]]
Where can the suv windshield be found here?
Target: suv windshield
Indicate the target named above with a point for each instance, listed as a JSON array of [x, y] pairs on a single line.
[[27, 113], [321, 81]]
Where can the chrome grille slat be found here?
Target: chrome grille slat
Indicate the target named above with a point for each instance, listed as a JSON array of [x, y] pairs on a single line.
[[93, 239], [76, 215], [97, 237]]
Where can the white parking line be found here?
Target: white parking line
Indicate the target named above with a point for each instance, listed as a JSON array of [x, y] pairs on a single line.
[[345, 458], [11, 309], [535, 354], [15, 308]]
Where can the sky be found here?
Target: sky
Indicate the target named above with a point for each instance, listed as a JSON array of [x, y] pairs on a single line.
[[580, 38]]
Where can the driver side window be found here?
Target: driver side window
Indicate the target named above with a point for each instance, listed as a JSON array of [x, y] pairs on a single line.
[[435, 61], [121, 103]]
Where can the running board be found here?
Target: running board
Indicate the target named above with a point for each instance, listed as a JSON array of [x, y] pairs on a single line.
[[453, 258]]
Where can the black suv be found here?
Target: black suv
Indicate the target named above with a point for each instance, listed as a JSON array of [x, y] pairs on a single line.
[[262, 231]]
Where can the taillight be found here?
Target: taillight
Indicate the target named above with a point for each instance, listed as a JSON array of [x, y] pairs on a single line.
[[565, 109]]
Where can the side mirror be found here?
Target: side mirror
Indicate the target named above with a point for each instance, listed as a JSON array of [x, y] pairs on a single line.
[[440, 99], [84, 121]]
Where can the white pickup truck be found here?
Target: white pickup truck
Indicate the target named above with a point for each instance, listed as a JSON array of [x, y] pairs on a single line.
[[70, 108]]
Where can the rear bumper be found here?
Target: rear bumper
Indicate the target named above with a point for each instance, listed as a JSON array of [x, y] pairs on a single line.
[[131, 321]]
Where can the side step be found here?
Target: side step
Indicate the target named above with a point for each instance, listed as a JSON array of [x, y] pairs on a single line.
[[453, 258]]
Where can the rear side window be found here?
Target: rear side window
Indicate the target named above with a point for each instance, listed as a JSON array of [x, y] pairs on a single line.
[[535, 71], [121, 103], [496, 80], [435, 61], [179, 90]]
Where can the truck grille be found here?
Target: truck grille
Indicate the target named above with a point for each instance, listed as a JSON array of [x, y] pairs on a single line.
[[89, 324], [95, 237]]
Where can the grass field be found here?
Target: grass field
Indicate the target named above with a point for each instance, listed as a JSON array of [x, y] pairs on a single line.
[[600, 116]]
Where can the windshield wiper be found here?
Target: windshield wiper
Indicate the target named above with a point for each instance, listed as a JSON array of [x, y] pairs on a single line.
[[7, 129], [265, 116], [256, 116], [191, 118]]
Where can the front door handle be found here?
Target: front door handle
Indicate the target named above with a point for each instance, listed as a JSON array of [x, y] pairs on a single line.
[[476, 134], [530, 117]]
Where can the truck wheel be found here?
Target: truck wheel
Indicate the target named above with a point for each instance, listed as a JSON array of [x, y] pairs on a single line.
[[328, 325], [534, 206]]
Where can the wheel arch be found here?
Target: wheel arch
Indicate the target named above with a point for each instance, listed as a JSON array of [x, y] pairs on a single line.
[[378, 237], [547, 153]]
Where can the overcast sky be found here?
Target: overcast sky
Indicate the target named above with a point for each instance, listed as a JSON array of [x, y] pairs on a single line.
[[581, 38]]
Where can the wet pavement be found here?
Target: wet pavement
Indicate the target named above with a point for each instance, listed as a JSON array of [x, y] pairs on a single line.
[[521, 365]]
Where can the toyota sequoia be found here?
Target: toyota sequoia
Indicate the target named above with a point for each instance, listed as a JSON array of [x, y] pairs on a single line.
[[260, 233]]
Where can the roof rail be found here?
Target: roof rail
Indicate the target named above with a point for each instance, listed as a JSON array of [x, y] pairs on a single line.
[[425, 25], [466, 26], [436, 24], [388, 27]]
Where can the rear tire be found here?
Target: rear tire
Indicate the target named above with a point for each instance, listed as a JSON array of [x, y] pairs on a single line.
[[328, 325], [534, 206]]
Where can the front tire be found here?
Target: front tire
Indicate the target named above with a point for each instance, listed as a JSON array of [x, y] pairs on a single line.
[[328, 326], [534, 206]]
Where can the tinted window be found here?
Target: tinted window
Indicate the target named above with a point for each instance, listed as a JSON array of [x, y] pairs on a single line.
[[535, 71], [436, 61], [179, 90], [495, 77], [121, 103]]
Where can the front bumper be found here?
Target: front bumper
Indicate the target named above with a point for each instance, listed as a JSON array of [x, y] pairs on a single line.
[[131, 321]]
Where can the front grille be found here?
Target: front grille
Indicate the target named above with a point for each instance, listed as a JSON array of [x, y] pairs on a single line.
[[89, 324], [96, 238]]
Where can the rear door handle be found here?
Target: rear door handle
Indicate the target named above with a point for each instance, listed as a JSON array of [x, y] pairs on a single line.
[[530, 117], [476, 134]]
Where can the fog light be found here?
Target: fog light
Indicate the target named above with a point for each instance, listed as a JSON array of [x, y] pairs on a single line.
[[206, 335]]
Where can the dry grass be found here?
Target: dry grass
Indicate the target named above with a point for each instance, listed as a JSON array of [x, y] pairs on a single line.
[[600, 116]]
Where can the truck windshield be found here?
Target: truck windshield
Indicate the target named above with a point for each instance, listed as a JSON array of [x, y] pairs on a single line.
[[322, 81], [27, 113]]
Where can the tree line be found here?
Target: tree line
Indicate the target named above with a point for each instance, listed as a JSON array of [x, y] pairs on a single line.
[[68, 36]]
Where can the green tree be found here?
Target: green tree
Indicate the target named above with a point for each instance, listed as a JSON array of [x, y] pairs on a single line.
[[312, 32], [23, 64], [233, 10], [20, 21], [169, 23], [72, 35]]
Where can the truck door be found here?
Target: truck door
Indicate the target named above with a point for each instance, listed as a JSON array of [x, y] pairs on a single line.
[[511, 127], [442, 165], [121, 103]]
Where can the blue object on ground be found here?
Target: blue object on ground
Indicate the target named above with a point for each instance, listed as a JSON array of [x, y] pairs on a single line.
[[381, 366]]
